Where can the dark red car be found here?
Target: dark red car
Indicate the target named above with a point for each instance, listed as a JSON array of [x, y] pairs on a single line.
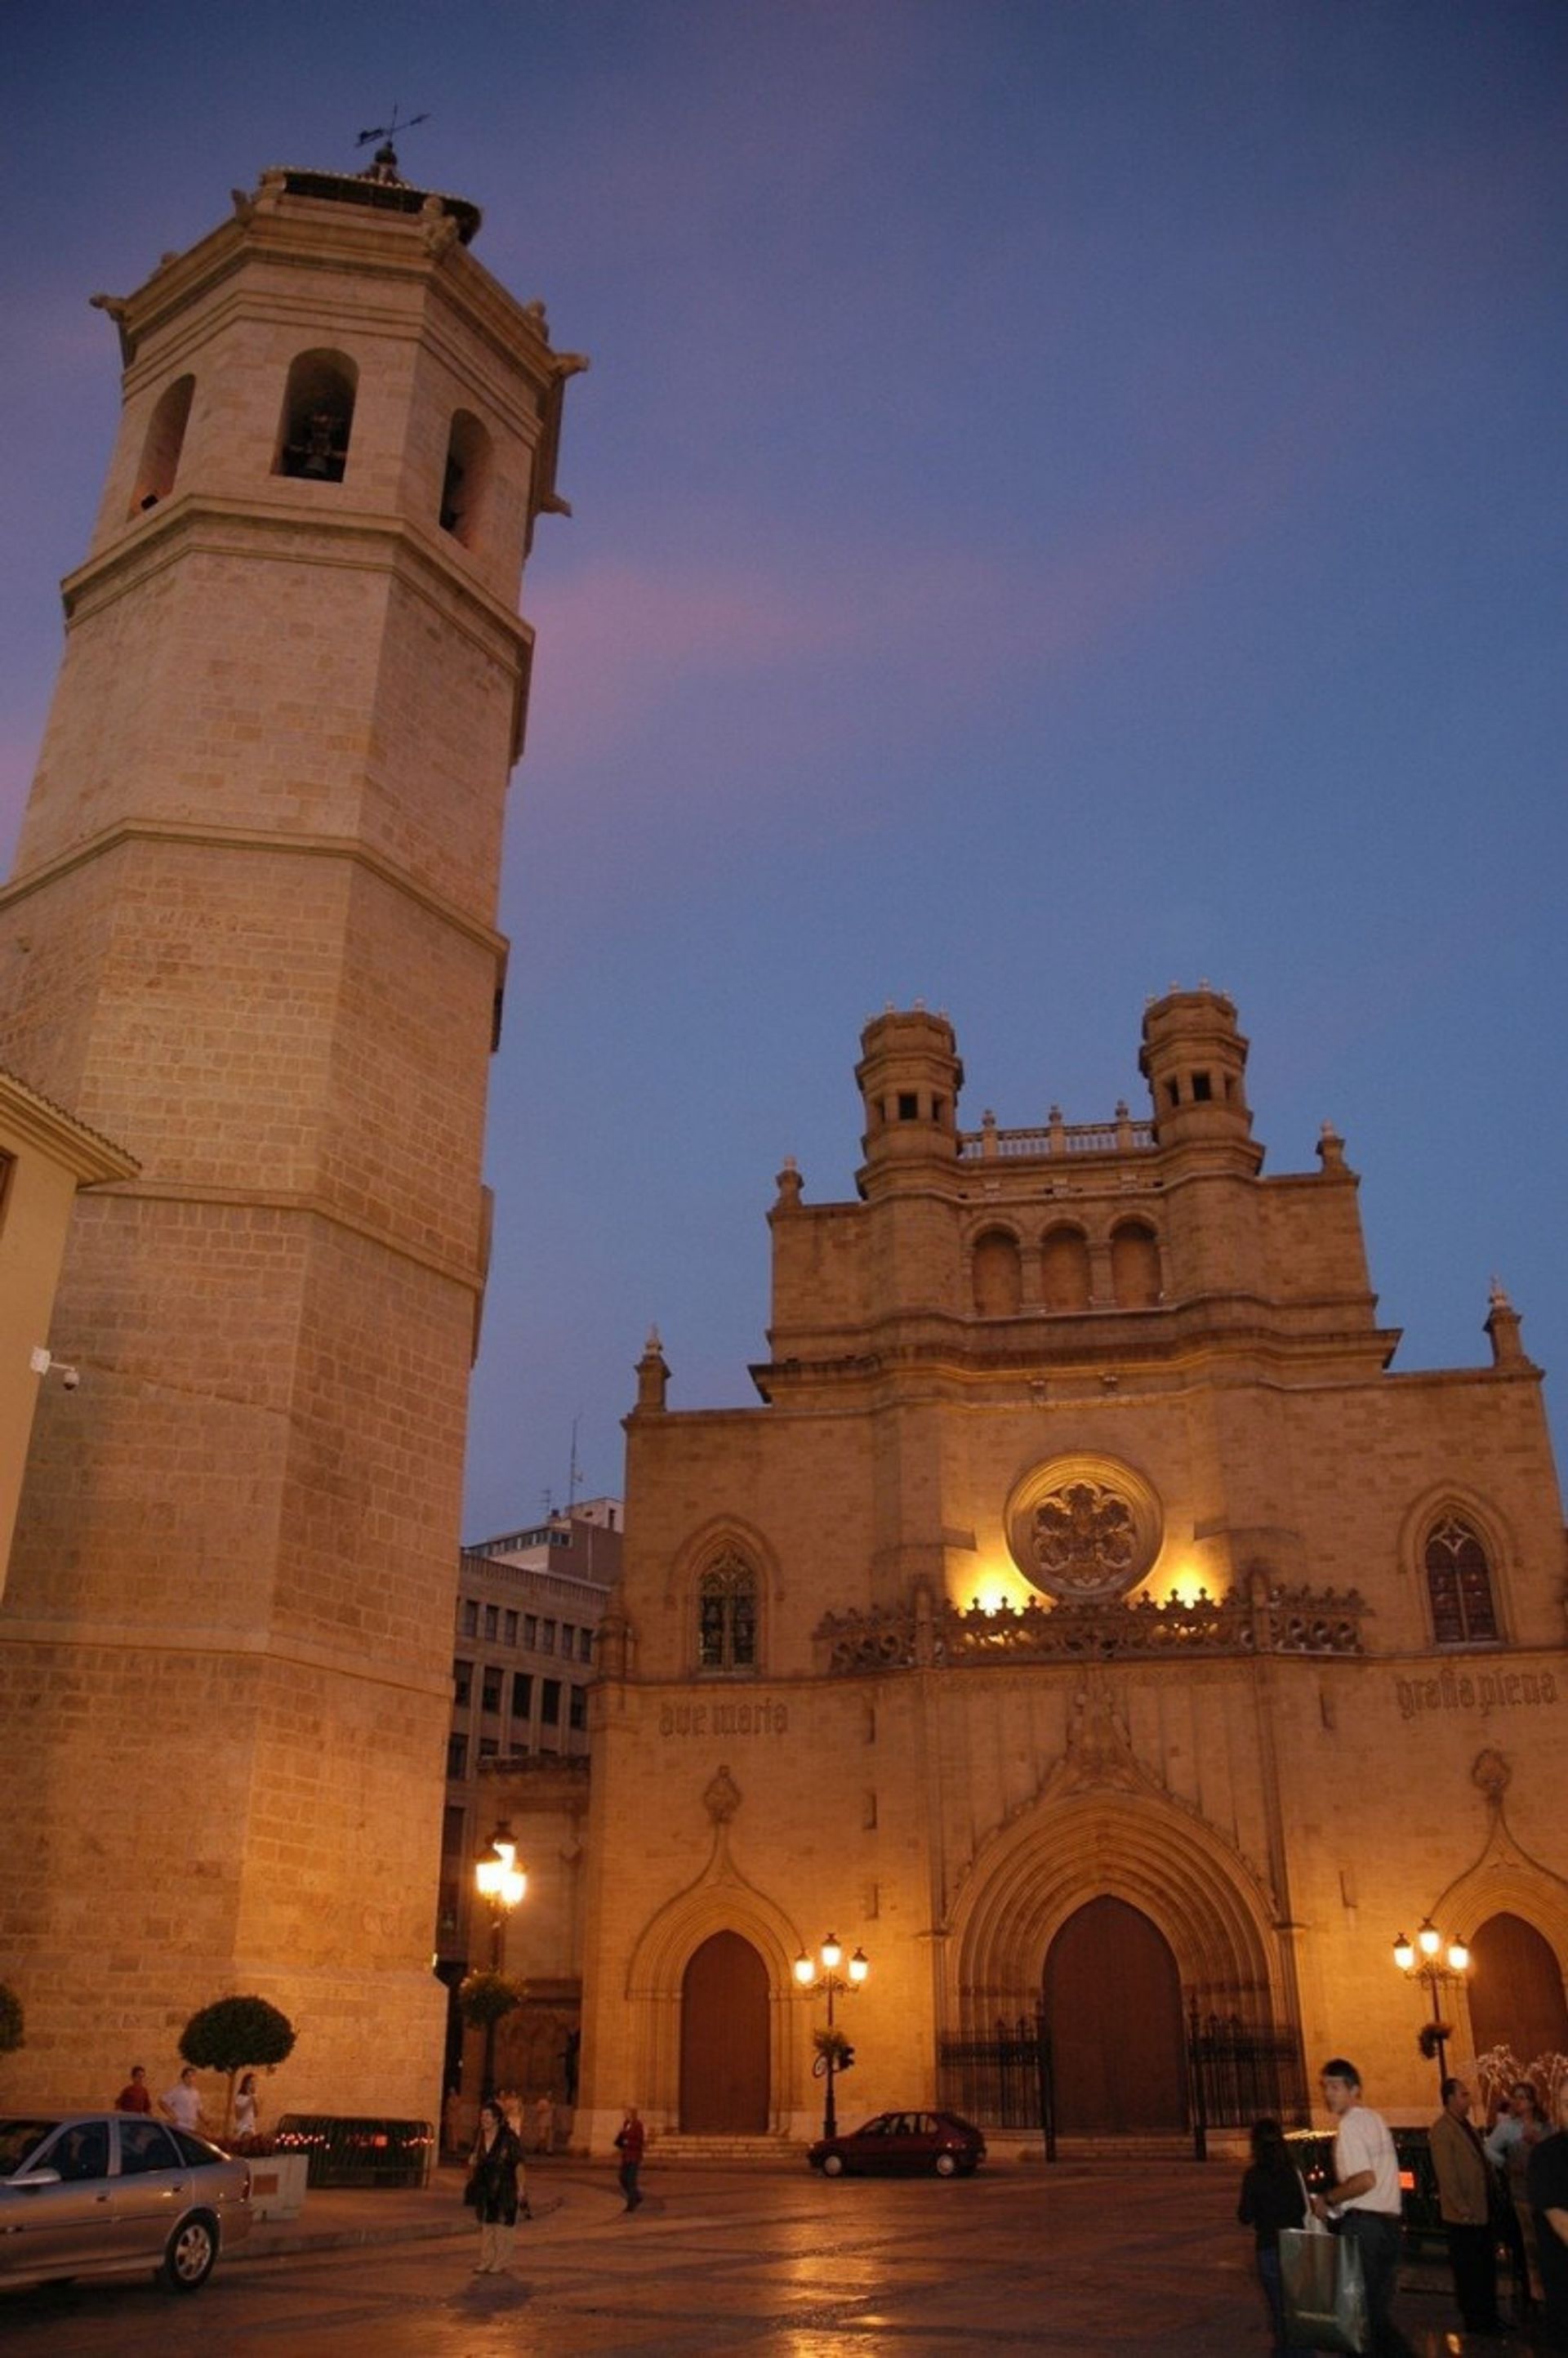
[[903, 2142]]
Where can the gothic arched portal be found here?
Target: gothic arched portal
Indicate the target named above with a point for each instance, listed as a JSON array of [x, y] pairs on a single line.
[[724, 2040], [1515, 1991], [1113, 2006]]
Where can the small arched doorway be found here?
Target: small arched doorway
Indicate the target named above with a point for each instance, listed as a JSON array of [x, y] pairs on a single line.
[[724, 2040], [1113, 2002], [1515, 1991]]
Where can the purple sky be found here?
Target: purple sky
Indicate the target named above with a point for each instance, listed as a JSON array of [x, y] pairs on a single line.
[[1070, 497]]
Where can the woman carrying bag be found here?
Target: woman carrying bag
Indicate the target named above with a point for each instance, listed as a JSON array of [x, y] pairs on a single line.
[[495, 2172], [1272, 2197]]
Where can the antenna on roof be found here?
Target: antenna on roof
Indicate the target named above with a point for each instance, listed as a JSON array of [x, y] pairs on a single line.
[[574, 1477]]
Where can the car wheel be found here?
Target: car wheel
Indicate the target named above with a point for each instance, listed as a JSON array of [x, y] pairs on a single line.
[[192, 2249], [832, 2165], [946, 2163]]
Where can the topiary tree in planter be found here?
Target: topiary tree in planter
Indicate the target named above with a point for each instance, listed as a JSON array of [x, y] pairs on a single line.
[[11, 2028], [235, 2035]]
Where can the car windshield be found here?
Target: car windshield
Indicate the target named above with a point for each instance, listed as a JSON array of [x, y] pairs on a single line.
[[18, 2138], [196, 2149]]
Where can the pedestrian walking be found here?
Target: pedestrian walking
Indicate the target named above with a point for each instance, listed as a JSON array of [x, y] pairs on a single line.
[[545, 2124], [494, 2191], [135, 2097], [247, 2115], [1365, 2197], [629, 2143], [182, 2102], [1273, 2195]]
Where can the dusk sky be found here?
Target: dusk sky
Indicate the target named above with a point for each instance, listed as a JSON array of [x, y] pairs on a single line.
[[1069, 498]]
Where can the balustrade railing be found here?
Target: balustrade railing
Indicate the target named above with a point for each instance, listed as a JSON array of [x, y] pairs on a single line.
[[928, 1636]]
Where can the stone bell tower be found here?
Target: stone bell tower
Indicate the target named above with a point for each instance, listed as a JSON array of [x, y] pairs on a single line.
[[251, 936]]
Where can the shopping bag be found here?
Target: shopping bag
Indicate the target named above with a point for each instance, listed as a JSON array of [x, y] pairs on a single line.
[[1325, 2292]]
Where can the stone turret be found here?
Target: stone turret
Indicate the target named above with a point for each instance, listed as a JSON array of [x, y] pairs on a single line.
[[1194, 1061], [909, 1076]]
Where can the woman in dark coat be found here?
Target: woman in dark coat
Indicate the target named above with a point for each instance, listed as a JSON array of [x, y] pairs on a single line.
[[495, 2169], [1272, 2197]]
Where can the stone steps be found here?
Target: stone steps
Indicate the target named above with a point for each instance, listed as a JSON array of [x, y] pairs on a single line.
[[678, 2145]]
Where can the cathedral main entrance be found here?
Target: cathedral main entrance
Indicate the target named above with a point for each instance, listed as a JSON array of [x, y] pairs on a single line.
[[1113, 2004], [724, 2040], [1515, 1991]]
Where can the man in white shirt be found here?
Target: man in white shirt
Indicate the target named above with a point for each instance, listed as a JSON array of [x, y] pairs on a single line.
[[1365, 2197], [182, 2102]]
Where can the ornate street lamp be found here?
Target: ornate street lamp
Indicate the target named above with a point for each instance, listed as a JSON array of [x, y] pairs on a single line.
[[501, 1883], [1426, 1959], [834, 2052]]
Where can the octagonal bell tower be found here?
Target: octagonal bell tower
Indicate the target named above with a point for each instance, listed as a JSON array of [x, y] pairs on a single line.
[[251, 936]]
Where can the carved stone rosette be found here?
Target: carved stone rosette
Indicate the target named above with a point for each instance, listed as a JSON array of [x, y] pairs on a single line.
[[1084, 1529]]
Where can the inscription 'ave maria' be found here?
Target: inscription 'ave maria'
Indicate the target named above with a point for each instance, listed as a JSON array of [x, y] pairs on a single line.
[[757, 1715]]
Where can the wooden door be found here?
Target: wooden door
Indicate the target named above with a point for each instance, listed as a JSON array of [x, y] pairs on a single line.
[[724, 2040], [1516, 1991], [1113, 2001]]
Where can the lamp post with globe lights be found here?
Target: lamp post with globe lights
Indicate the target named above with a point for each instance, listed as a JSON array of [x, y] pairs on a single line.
[[834, 2052], [500, 1884], [1428, 1960]]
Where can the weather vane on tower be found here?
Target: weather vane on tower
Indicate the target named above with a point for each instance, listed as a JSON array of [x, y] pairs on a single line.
[[383, 164]]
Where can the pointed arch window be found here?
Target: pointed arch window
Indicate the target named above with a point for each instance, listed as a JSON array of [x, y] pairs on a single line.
[[727, 1614], [1459, 1585]]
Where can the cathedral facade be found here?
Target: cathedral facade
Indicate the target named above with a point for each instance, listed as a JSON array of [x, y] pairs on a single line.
[[1091, 1628]]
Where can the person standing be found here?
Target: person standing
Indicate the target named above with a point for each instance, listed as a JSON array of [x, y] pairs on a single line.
[[135, 2097], [1546, 2186], [1366, 2198], [493, 2188], [247, 2114], [1273, 2195], [1517, 2130], [545, 2124], [1464, 2196], [629, 2144], [182, 2102]]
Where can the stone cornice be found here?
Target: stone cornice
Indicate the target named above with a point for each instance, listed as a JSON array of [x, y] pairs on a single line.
[[75, 1635], [306, 1202], [238, 838], [28, 1118]]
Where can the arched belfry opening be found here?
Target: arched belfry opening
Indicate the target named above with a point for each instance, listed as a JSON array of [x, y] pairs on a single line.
[[465, 483], [163, 443], [318, 417], [724, 2040]]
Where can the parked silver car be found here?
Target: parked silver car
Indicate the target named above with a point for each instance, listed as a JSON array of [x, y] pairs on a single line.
[[93, 2193]]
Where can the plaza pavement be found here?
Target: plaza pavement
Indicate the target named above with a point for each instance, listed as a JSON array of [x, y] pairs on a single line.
[[1085, 2260]]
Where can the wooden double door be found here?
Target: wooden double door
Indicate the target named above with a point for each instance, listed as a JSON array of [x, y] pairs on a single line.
[[1113, 2005], [724, 2070]]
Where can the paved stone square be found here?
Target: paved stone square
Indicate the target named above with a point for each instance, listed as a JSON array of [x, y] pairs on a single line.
[[1079, 2260]]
